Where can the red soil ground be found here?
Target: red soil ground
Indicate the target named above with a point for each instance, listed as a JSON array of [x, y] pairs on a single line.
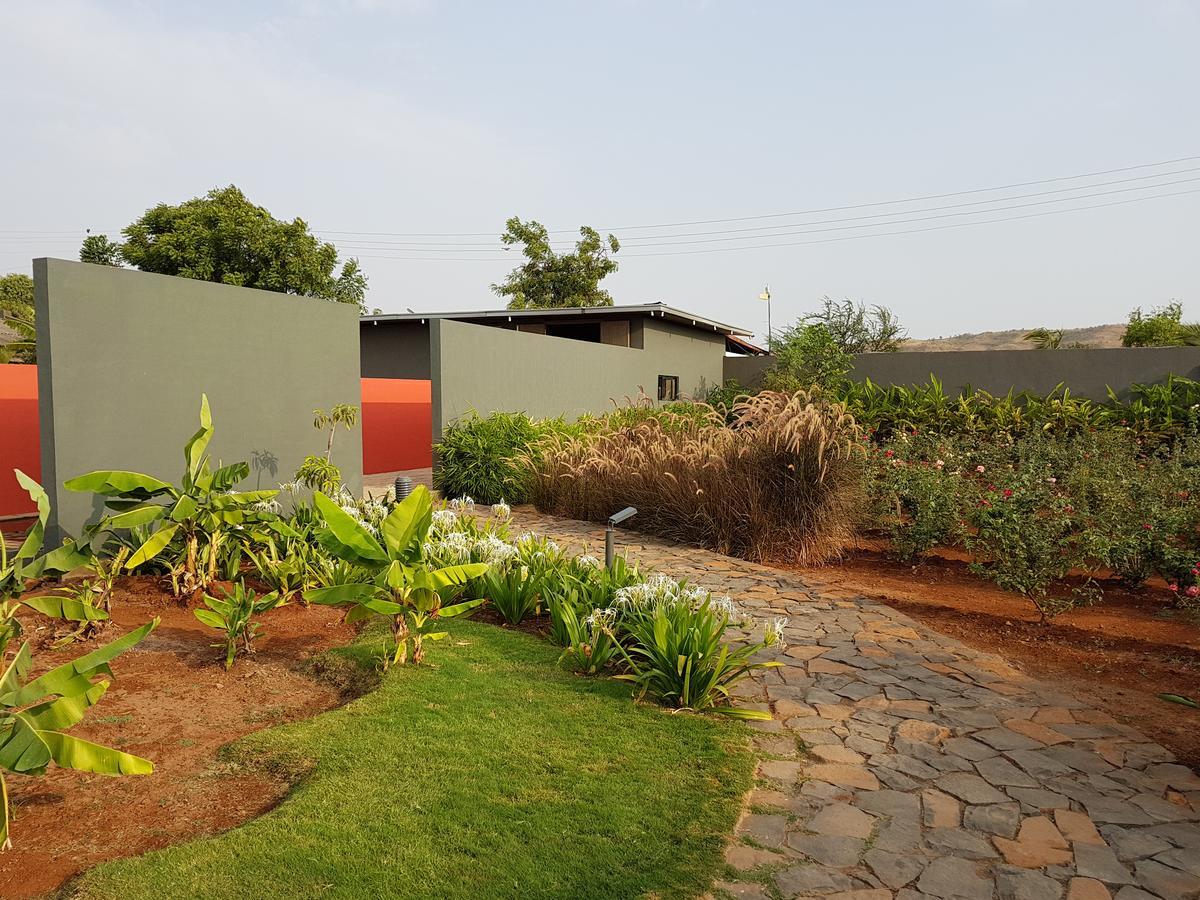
[[173, 702]]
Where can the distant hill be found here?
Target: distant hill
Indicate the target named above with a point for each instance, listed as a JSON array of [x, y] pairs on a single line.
[[1094, 336]]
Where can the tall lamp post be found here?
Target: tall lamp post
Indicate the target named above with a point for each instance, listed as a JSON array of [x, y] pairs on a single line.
[[766, 295]]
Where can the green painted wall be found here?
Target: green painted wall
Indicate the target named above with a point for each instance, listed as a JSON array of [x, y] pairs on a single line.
[[1088, 373], [124, 356], [475, 367]]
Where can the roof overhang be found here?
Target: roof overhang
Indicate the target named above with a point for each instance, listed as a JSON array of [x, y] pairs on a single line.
[[653, 310]]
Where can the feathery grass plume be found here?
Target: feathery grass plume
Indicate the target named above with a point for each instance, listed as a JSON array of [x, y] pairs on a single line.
[[782, 482]]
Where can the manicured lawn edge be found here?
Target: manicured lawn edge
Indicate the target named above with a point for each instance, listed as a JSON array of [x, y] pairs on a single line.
[[490, 772]]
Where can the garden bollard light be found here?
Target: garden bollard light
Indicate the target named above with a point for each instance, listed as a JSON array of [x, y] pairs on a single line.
[[615, 519], [403, 487]]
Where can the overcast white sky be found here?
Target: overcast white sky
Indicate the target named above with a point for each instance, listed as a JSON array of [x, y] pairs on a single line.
[[421, 117]]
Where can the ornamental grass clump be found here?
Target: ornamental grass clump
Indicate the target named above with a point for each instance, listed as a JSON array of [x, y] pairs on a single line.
[[781, 483]]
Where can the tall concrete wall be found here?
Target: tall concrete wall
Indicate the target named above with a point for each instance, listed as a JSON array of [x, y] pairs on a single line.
[[1088, 373], [475, 367], [123, 357]]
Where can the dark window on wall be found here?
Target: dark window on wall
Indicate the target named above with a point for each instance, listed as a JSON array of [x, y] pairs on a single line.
[[668, 387]]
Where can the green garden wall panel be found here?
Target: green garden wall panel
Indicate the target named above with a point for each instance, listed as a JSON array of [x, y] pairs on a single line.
[[125, 355], [1088, 373], [475, 367]]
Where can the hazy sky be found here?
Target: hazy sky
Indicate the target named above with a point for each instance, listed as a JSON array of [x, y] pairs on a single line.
[[420, 118]]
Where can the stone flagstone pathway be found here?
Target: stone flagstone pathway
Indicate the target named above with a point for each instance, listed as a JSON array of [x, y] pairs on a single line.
[[900, 763]]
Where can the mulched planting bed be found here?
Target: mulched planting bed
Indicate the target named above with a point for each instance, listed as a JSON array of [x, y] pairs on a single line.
[[1118, 655], [174, 703]]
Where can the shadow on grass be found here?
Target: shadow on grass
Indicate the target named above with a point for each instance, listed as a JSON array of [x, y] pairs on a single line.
[[488, 772]]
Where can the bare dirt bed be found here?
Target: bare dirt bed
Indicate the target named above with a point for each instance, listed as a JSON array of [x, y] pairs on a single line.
[[172, 702], [1118, 655]]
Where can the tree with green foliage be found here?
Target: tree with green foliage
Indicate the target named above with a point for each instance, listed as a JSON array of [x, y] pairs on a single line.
[[1162, 327], [223, 237], [16, 314], [807, 355], [858, 328], [552, 280], [100, 251]]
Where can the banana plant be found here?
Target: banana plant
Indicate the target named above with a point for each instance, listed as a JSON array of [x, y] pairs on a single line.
[[28, 562], [35, 715], [233, 616], [202, 505], [404, 588]]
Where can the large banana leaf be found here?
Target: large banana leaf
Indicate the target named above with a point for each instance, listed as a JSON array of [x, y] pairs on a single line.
[[138, 515], [193, 451], [185, 507], [84, 756], [61, 714], [349, 540], [456, 574], [33, 541], [154, 545], [60, 606], [72, 679], [457, 609], [22, 748], [57, 561], [407, 522], [17, 670], [114, 483]]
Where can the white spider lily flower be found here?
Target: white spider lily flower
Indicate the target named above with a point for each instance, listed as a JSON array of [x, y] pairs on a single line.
[[268, 506], [444, 519], [501, 510], [602, 619], [774, 631], [587, 561], [726, 607]]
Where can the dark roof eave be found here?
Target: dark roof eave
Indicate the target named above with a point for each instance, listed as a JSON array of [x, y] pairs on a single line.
[[660, 310]]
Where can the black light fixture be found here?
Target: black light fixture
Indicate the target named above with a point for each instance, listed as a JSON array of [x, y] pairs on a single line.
[[613, 521], [403, 487]]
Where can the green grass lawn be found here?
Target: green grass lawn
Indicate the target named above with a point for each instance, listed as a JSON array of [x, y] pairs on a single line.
[[489, 772]]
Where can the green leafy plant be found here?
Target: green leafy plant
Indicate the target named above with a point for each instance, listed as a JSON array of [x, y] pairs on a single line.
[[21, 566], [203, 504], [479, 457], [590, 642], [35, 715], [515, 593], [405, 589], [676, 654], [233, 616]]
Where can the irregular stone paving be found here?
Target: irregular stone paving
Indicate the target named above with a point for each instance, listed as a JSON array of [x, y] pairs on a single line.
[[900, 763]]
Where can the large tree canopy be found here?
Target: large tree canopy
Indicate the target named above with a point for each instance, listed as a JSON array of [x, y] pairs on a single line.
[[224, 237], [16, 314], [550, 280]]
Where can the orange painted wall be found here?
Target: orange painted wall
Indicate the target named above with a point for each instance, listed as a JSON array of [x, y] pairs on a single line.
[[397, 429], [397, 424], [19, 446]]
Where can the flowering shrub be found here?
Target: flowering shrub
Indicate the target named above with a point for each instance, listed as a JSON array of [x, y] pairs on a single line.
[[1032, 510]]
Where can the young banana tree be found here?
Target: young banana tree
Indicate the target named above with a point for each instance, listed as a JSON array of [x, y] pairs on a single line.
[[203, 504], [405, 589], [28, 562], [35, 715]]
